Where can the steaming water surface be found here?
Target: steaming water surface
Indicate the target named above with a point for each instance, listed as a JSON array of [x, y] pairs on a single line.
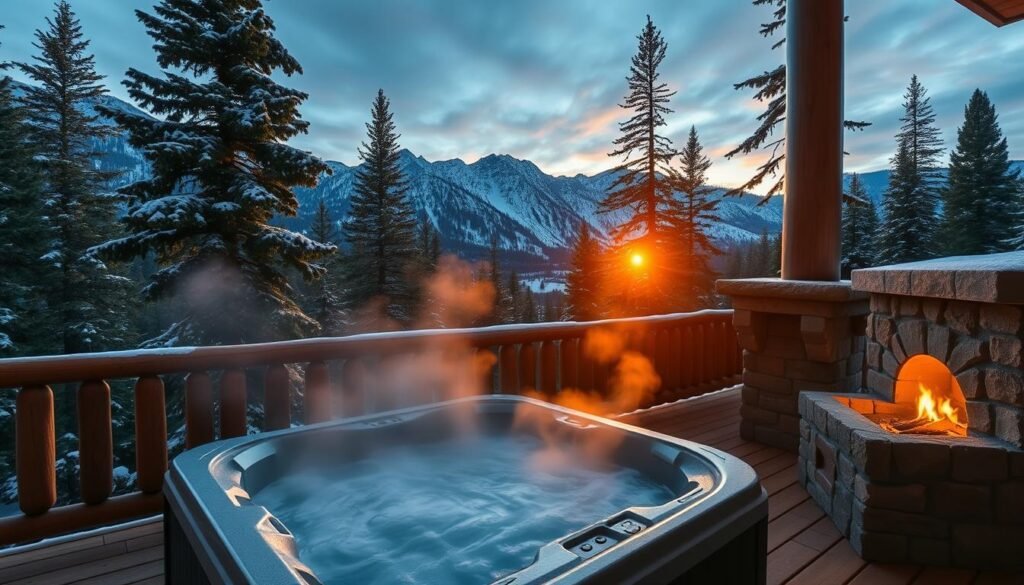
[[454, 512]]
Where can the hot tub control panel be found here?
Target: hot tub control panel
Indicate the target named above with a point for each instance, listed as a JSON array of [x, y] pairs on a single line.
[[599, 538]]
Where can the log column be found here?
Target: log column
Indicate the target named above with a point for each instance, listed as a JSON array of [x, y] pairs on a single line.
[[814, 140]]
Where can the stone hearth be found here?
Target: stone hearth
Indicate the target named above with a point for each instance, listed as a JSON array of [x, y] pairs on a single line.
[[941, 500]]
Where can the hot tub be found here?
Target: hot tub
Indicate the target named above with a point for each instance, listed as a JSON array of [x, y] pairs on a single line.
[[497, 489]]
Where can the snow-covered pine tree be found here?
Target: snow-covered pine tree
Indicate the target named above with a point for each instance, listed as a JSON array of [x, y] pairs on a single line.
[[643, 189], [327, 291], [697, 217], [982, 196], [381, 226], [583, 283], [90, 300], [221, 171], [24, 234], [860, 227], [909, 206], [770, 89]]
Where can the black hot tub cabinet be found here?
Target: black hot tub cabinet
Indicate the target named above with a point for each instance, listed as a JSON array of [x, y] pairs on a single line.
[[712, 531]]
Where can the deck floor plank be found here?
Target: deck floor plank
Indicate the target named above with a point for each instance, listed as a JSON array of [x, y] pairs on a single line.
[[803, 545]]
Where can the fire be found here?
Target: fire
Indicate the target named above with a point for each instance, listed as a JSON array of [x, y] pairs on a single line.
[[934, 411]]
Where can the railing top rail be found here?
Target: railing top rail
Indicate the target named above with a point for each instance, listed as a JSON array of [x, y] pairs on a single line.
[[17, 372]]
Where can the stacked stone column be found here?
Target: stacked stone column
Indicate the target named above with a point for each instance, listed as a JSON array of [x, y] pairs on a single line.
[[796, 336]]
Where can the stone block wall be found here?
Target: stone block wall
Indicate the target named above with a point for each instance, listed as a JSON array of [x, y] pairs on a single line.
[[910, 498], [980, 342]]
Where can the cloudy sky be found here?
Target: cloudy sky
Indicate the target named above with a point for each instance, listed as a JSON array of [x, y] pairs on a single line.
[[541, 80]]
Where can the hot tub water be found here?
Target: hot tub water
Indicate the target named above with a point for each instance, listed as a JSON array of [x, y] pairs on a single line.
[[459, 512]]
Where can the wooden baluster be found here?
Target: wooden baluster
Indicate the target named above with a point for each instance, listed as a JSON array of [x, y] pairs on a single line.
[[233, 404], [549, 367], [675, 359], [662, 362], [724, 351], [95, 442], [198, 409], [277, 408], [569, 349], [689, 374], [35, 444], [527, 367], [699, 355], [353, 401], [484, 362], [317, 397], [150, 434], [508, 358], [586, 369]]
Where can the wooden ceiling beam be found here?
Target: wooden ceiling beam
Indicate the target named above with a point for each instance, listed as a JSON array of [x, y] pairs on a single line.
[[1001, 14]]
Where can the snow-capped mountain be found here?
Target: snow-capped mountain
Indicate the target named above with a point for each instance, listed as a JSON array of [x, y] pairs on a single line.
[[533, 215], [875, 182]]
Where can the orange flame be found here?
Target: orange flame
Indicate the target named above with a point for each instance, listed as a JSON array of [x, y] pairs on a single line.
[[930, 409]]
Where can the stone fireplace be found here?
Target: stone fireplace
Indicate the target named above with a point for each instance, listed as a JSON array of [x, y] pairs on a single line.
[[925, 464]]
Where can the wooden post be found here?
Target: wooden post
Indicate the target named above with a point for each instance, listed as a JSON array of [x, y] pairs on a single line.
[[814, 140], [509, 368], [233, 404], [95, 442], [150, 434], [277, 409], [36, 462], [198, 409]]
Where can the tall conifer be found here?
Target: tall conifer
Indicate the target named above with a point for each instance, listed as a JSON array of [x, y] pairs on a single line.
[[583, 282], [327, 292], [222, 170], [860, 227], [697, 217], [24, 234], [911, 198], [381, 227], [643, 188], [983, 192], [89, 299]]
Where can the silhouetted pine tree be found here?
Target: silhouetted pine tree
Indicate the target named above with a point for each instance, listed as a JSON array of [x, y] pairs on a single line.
[[910, 200], [644, 189], [982, 196], [429, 245], [696, 218], [515, 297], [24, 236], [860, 228], [89, 300], [770, 89], [529, 307], [381, 226], [327, 305], [221, 170], [583, 282]]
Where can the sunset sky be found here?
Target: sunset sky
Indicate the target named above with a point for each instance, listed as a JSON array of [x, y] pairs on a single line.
[[541, 80]]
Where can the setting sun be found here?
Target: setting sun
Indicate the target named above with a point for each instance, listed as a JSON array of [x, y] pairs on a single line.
[[637, 259]]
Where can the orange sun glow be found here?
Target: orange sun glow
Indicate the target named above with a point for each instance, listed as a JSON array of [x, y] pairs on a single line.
[[637, 259]]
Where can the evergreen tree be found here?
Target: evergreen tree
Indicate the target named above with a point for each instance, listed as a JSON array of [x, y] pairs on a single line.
[[89, 299], [912, 195], [221, 170], [515, 297], [499, 312], [983, 193], [770, 89], [429, 244], [326, 302], [529, 307], [643, 188], [860, 226], [24, 234], [697, 217], [381, 227], [583, 282]]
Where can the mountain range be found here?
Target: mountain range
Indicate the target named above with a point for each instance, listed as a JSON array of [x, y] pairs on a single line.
[[533, 215]]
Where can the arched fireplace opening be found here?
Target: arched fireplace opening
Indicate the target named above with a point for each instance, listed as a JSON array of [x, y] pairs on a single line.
[[929, 398]]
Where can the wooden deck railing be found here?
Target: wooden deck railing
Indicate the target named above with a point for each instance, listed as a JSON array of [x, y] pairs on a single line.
[[691, 352]]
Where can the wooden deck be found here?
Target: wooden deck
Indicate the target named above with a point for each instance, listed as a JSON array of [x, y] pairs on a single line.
[[803, 546]]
